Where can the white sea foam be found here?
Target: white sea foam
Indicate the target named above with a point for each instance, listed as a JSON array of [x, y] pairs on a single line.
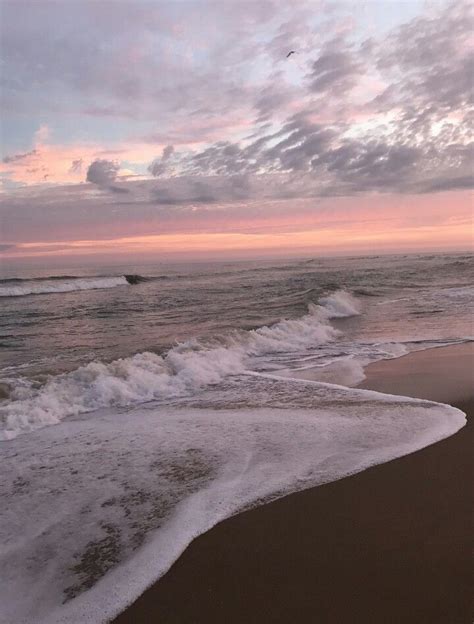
[[110, 500], [340, 304], [38, 287], [347, 371], [147, 376]]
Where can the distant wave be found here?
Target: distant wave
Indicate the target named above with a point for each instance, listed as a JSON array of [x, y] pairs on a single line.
[[182, 371], [14, 287]]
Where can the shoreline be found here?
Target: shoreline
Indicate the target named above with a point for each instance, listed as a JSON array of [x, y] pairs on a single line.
[[388, 544]]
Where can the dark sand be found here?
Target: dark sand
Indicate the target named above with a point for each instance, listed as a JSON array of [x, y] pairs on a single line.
[[388, 545]]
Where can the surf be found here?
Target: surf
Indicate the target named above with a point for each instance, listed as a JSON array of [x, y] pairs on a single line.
[[183, 370], [58, 284]]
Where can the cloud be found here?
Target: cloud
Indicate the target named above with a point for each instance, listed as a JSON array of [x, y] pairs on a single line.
[[160, 165], [103, 173], [334, 73], [17, 157], [449, 184], [432, 59], [212, 189], [76, 166], [223, 158], [301, 141], [274, 98], [368, 166], [168, 151]]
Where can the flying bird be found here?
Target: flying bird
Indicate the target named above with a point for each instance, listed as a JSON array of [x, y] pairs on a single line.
[[290, 53]]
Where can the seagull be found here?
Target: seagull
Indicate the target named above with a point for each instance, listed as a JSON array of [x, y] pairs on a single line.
[[290, 53]]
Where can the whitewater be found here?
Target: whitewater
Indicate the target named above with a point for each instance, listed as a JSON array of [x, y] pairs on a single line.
[[147, 376], [160, 407], [41, 286]]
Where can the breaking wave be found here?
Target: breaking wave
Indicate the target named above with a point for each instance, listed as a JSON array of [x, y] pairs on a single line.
[[68, 283], [182, 371]]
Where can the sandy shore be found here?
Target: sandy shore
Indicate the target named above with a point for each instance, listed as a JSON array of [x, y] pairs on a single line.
[[389, 545]]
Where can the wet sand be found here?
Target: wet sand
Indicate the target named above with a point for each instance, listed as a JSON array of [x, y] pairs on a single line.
[[389, 545]]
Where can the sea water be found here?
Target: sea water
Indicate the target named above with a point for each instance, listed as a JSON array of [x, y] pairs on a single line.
[[142, 405]]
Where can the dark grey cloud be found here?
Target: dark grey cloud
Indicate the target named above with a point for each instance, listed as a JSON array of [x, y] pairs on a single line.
[[223, 158], [160, 165], [206, 190], [371, 166], [168, 151], [302, 142], [157, 168], [291, 149], [449, 184], [103, 173]]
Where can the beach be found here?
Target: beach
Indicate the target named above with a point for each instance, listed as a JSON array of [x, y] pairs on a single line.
[[390, 544]]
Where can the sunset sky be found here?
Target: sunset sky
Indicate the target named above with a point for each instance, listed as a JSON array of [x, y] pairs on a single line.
[[181, 129]]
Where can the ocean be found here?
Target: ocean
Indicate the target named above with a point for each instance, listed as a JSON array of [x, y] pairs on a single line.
[[141, 405]]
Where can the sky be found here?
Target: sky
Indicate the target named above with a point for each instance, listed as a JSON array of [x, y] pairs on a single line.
[[181, 130]]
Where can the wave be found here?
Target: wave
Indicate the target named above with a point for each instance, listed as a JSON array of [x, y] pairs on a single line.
[[340, 304], [182, 371], [14, 287]]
